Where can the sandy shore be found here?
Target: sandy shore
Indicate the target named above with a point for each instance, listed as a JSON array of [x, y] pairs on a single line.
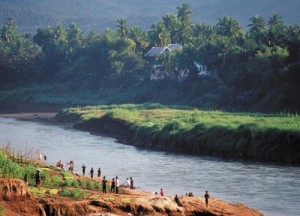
[[30, 116], [28, 112]]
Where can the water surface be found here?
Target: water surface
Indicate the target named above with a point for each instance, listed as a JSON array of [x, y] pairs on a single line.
[[271, 188]]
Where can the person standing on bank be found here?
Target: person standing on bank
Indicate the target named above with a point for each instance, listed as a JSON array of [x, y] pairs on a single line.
[[38, 179], [206, 195], [131, 183], [113, 185], [83, 169], [117, 184], [92, 172], [99, 173], [161, 192], [104, 185]]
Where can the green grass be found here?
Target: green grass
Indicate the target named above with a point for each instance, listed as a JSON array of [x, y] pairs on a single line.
[[54, 181], [184, 118], [198, 132]]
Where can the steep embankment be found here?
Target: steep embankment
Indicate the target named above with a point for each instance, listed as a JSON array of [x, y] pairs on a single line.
[[244, 142], [16, 200]]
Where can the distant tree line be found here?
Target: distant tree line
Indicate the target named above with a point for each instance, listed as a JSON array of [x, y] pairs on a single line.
[[265, 56]]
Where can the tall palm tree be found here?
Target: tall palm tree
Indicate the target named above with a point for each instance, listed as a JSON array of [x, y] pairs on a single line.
[[75, 35], [228, 26], [159, 35], [257, 24], [184, 13], [122, 27], [276, 30], [9, 31], [274, 20], [257, 28], [139, 37]]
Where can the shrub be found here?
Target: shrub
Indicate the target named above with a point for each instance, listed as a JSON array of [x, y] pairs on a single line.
[[83, 183], [75, 183], [68, 183], [90, 185], [57, 181], [78, 194], [98, 186], [65, 192]]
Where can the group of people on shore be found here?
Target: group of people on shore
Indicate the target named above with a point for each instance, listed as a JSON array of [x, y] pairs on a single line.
[[91, 173], [115, 182]]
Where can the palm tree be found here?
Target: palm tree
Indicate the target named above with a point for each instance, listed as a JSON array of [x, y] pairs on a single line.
[[9, 31], [275, 20], [276, 30], [159, 35], [182, 34], [122, 27], [257, 28], [257, 24], [184, 13], [228, 26], [75, 35], [139, 37]]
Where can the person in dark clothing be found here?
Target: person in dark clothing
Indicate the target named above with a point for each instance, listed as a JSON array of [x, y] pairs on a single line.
[[206, 195], [113, 185], [117, 184], [26, 178], [104, 181], [38, 180], [83, 169], [92, 172], [176, 199], [131, 183], [99, 173]]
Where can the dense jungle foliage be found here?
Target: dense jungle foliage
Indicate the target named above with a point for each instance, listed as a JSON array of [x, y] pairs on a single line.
[[255, 70]]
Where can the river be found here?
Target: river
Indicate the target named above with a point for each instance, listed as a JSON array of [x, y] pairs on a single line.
[[274, 189]]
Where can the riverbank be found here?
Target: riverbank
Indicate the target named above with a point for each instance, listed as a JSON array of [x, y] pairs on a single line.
[[244, 142], [273, 138], [63, 193]]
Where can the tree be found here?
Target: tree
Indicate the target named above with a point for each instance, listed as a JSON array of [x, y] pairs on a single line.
[[257, 28], [184, 13], [75, 36], [276, 31], [257, 24], [9, 31], [122, 27], [139, 37], [228, 26], [159, 35]]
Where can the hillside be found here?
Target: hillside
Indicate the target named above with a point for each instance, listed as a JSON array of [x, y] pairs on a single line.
[[100, 14]]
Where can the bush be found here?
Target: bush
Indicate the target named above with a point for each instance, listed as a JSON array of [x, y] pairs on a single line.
[[75, 183], [56, 181], [65, 192], [68, 183], [90, 185], [78, 194], [83, 183]]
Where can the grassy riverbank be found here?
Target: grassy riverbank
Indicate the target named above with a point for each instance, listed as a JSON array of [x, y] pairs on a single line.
[[63, 193], [272, 137]]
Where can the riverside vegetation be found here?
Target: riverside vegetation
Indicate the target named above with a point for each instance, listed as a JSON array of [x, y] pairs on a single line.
[[63, 193], [269, 137]]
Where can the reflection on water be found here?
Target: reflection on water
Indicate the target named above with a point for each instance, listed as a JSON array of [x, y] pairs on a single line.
[[270, 188]]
